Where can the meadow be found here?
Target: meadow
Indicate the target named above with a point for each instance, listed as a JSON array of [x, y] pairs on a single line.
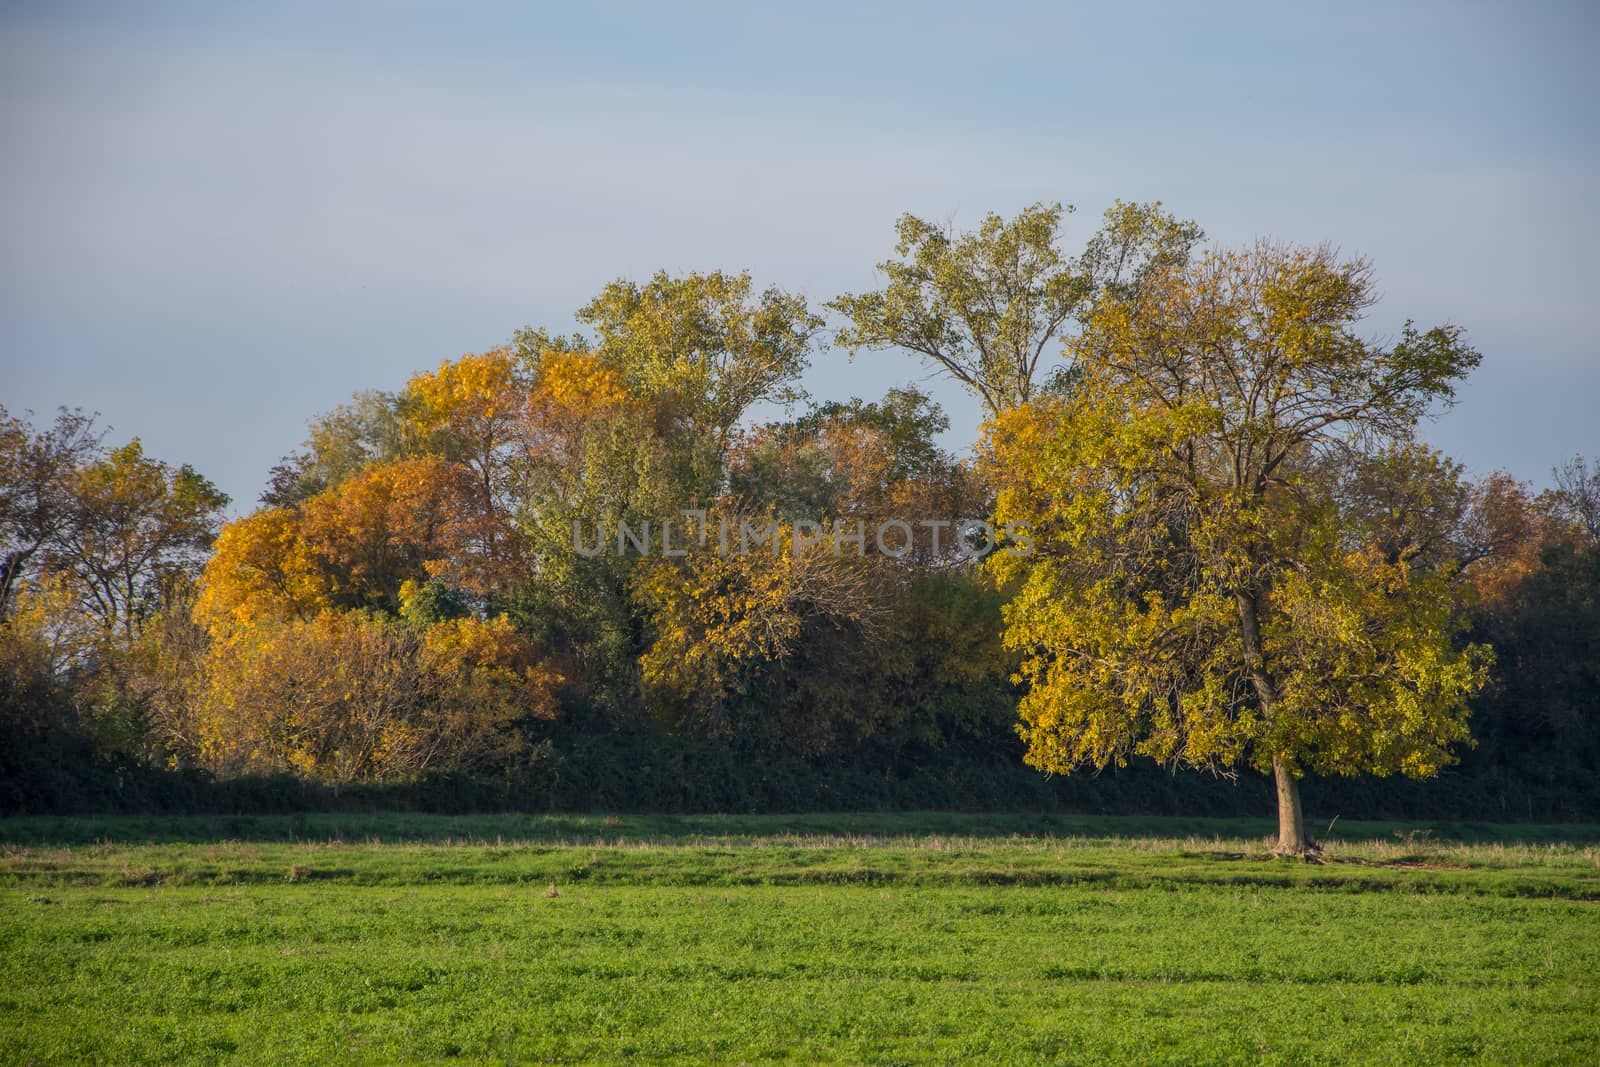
[[895, 938]]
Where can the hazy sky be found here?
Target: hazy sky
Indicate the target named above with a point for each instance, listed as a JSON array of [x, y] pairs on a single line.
[[218, 220]]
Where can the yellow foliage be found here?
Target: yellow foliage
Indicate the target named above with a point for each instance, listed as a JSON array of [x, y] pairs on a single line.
[[262, 568], [352, 546], [718, 617], [581, 384], [472, 388], [1203, 592], [348, 696], [390, 522]]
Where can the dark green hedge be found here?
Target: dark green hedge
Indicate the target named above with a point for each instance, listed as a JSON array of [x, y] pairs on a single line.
[[648, 771]]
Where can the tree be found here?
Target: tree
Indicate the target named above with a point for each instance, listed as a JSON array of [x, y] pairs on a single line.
[[929, 672], [100, 552], [1577, 496], [138, 523], [703, 347], [719, 619], [821, 648], [352, 546], [470, 410], [597, 453], [1535, 570], [366, 429], [860, 462], [1207, 590], [473, 411], [264, 568], [390, 523], [988, 306], [635, 429], [38, 474], [1537, 724]]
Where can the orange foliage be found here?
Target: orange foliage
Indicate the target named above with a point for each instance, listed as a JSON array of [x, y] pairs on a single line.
[[389, 523], [350, 546]]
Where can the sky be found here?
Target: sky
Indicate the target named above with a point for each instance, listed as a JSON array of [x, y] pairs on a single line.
[[218, 220]]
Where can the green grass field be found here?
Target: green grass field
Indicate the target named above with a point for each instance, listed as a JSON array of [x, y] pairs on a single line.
[[873, 938]]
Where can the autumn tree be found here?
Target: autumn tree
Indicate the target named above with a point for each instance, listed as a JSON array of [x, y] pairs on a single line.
[[719, 618], [365, 429], [1206, 591], [988, 307], [44, 644], [352, 546], [597, 453], [352, 696], [138, 523], [704, 347], [634, 427], [100, 548], [1536, 573], [264, 567], [811, 639], [474, 411], [38, 478], [862, 462], [639, 425], [1576, 497]]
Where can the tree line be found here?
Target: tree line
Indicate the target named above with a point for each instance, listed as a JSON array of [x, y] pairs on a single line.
[[1243, 557]]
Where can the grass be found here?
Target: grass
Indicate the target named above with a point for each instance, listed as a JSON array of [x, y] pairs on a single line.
[[726, 939]]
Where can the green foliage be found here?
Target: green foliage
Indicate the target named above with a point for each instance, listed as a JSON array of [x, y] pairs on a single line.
[[366, 429], [988, 306], [985, 306], [703, 347]]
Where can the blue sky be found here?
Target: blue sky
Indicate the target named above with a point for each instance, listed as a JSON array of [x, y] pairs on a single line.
[[218, 220]]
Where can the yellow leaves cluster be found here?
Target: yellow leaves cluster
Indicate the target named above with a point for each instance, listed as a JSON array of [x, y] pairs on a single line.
[[581, 384], [390, 522], [1369, 678], [474, 389], [348, 696], [262, 568], [490, 664], [718, 617]]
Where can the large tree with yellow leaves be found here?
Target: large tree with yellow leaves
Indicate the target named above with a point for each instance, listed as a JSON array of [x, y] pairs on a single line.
[[1209, 590]]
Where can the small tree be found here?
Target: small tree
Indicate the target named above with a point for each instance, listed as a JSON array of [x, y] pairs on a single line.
[[1213, 585]]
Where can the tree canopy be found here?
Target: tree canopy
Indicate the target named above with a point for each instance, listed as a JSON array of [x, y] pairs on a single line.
[[1202, 528], [1210, 588]]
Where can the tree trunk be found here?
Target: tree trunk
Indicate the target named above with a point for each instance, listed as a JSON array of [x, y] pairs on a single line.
[[1292, 837]]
